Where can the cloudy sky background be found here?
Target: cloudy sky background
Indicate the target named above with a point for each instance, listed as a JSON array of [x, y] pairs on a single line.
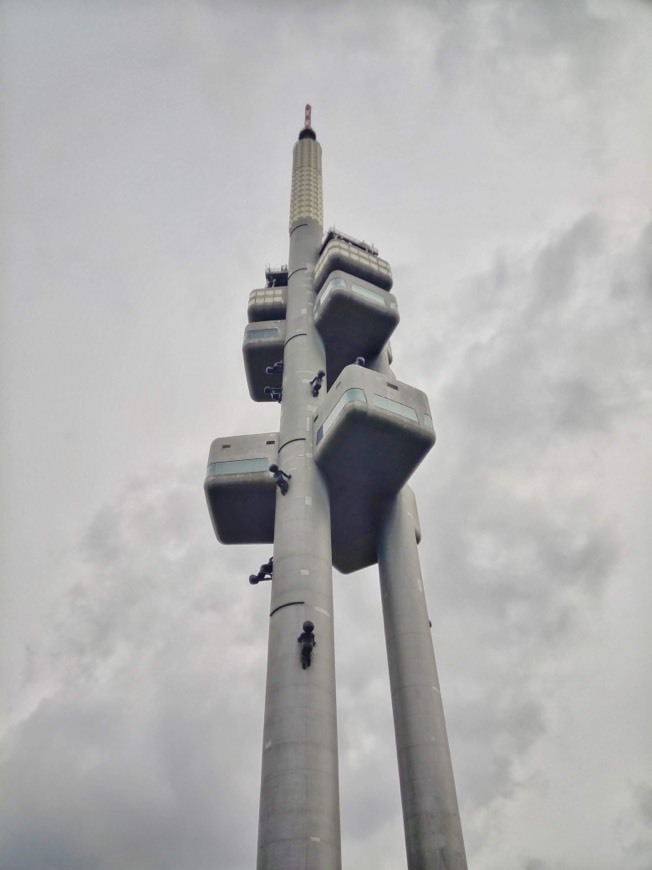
[[499, 154]]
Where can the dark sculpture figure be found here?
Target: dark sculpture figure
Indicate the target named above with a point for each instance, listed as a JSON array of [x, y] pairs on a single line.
[[275, 393], [316, 382], [276, 369], [280, 478], [266, 572], [308, 643], [360, 361]]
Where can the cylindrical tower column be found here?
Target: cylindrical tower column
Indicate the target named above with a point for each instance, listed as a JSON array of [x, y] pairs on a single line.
[[299, 824], [433, 831]]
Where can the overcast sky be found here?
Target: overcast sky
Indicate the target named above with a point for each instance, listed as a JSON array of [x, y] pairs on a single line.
[[498, 153]]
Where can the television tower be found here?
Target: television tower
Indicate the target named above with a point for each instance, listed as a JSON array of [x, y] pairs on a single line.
[[330, 489]]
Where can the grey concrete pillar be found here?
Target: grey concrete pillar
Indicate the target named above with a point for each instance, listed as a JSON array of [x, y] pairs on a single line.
[[299, 825], [433, 831]]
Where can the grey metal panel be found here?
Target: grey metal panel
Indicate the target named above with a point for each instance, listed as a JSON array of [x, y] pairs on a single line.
[[262, 346], [368, 444], [340, 254], [306, 198], [368, 454], [353, 320], [355, 522], [241, 502], [267, 303]]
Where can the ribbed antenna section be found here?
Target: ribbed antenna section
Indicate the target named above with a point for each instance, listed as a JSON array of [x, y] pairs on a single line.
[[306, 200]]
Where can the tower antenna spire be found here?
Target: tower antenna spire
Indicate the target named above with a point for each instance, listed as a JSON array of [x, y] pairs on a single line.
[[308, 123]]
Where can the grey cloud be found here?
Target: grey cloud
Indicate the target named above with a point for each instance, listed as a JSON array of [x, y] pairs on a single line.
[[519, 552], [634, 827], [132, 759], [580, 406], [497, 728], [155, 672], [632, 280], [643, 794], [569, 38], [125, 780], [556, 269], [545, 349], [522, 596]]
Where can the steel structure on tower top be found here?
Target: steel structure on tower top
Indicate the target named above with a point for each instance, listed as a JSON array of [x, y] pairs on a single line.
[[330, 489]]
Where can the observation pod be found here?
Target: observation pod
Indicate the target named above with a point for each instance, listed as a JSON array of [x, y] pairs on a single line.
[[370, 435], [339, 251], [267, 303], [240, 491], [264, 336], [378, 430], [262, 347], [354, 318]]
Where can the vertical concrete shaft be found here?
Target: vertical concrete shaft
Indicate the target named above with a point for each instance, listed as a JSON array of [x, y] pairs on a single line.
[[299, 825], [433, 831]]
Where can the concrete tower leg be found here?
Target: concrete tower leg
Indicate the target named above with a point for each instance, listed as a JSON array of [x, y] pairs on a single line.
[[299, 824], [433, 831]]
